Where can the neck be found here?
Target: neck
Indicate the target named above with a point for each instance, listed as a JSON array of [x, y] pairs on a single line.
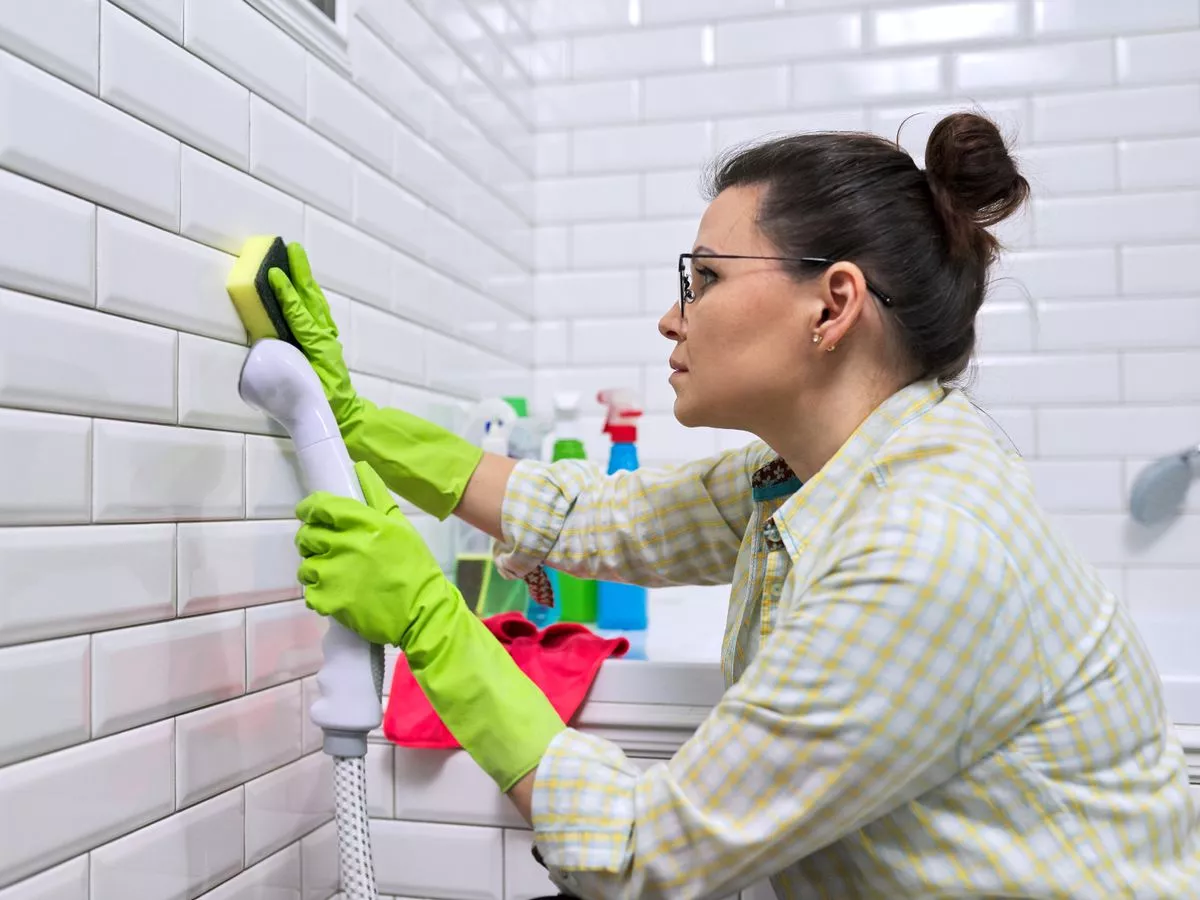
[[816, 427]]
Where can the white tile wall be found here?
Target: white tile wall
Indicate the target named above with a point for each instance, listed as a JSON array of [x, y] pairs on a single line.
[[146, 512]]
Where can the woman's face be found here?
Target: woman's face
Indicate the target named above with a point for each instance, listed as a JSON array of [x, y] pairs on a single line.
[[744, 346]]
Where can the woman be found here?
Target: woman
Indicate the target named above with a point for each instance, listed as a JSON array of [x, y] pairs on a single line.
[[929, 693]]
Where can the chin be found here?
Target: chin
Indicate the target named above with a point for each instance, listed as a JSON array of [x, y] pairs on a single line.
[[688, 414]]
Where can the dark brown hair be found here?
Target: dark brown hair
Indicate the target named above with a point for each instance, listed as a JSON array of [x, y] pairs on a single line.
[[920, 236]]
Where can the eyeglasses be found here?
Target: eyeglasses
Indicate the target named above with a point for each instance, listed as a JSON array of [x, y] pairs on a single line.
[[687, 295]]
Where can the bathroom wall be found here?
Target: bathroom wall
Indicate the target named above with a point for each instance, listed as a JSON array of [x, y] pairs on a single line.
[[155, 660], [1090, 349]]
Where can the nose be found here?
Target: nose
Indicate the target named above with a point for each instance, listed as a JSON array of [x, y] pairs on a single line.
[[670, 325]]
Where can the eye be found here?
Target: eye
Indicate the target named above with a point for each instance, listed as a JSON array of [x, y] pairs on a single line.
[[704, 277]]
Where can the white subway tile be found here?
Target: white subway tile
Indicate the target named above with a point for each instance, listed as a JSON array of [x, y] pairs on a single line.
[[637, 52], [273, 482], [454, 367], [524, 877], [152, 472], [60, 358], [589, 197], [1119, 324], [45, 468], [658, 395], [75, 579], [617, 342], [146, 273], [786, 38], [57, 134], [194, 662], [956, 23], [1013, 426], [1123, 218], [552, 153], [319, 863], [164, 15], [586, 381], [1163, 376], [338, 109], [116, 785], [1041, 274], [345, 259], [60, 36], [44, 697], [208, 387], [1169, 163], [1161, 592], [222, 746], [657, 11], [550, 343], [586, 103], [1108, 431], [284, 805], [1046, 67], [242, 43], [580, 294], [381, 791], [661, 439], [416, 859], [448, 786], [153, 78], [863, 80], [1159, 58], [754, 128], [283, 643], [1005, 328], [617, 244], [275, 878], [717, 93], [299, 161], [386, 346], [1048, 378], [68, 881], [550, 16], [1160, 270], [161, 860], [1112, 16], [1077, 485], [311, 737], [1110, 540], [387, 211], [47, 241], [1122, 113], [551, 247], [640, 148], [230, 565], [223, 206], [672, 194], [1073, 168], [388, 78]]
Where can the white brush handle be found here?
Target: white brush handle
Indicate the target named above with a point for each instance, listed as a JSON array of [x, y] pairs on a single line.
[[277, 379]]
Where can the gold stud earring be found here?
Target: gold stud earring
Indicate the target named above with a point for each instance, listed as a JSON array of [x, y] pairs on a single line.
[[817, 337]]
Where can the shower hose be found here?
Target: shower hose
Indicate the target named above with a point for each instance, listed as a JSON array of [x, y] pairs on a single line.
[[277, 380]]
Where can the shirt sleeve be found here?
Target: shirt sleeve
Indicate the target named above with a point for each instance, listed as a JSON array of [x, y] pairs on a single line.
[[656, 527], [871, 690]]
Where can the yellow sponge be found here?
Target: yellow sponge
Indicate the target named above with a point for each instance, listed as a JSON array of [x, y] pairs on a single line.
[[251, 292]]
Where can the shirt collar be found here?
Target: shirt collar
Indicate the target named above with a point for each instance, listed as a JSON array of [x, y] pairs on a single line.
[[839, 479]]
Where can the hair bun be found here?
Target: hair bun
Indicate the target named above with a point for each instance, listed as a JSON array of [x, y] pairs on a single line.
[[974, 179]]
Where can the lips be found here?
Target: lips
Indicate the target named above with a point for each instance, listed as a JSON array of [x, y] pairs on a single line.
[[678, 366]]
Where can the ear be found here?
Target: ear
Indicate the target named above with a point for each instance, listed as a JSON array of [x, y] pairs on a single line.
[[844, 295]]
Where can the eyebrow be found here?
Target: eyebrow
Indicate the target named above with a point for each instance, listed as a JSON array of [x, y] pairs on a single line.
[[701, 248]]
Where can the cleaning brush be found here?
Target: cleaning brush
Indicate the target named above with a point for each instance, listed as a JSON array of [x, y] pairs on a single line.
[[251, 292]]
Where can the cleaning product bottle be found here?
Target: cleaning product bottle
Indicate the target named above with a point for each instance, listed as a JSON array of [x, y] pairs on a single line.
[[622, 607], [574, 597]]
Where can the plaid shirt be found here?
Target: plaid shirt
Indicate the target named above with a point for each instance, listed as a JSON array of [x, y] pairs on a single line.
[[929, 693]]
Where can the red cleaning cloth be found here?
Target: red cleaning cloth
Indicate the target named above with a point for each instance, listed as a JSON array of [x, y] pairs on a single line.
[[562, 660]]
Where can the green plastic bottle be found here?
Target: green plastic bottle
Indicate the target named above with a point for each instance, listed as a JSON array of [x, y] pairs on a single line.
[[576, 597]]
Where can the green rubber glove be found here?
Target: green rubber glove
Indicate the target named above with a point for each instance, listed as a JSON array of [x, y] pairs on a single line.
[[366, 566], [426, 464]]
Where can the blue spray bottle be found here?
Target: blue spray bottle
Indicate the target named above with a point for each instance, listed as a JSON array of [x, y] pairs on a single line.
[[622, 607]]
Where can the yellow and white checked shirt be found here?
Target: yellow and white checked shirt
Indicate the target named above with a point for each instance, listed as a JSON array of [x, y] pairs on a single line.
[[929, 693]]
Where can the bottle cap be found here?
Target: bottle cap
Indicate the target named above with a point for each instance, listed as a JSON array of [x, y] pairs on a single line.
[[623, 411]]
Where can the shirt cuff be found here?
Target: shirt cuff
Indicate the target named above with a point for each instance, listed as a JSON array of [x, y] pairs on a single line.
[[584, 804], [536, 502]]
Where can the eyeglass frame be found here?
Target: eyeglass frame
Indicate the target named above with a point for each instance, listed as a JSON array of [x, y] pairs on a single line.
[[687, 295]]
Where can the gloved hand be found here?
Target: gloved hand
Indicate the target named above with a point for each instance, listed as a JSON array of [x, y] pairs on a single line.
[[424, 463], [365, 565]]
